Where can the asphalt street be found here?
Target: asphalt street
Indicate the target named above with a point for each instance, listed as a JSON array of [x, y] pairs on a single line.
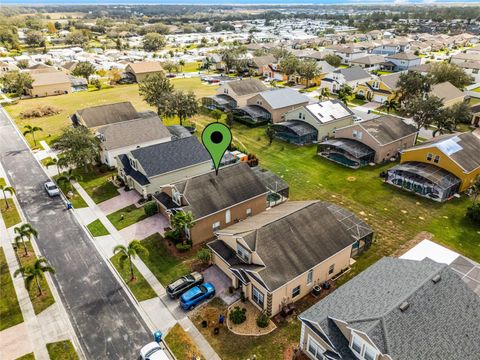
[[107, 324]]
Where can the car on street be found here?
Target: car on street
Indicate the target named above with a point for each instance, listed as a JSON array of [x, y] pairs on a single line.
[[153, 351], [51, 189], [179, 286], [196, 295]]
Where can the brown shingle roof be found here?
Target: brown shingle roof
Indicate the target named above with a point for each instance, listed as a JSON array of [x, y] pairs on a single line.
[[247, 86], [49, 78], [446, 91], [146, 67], [387, 128]]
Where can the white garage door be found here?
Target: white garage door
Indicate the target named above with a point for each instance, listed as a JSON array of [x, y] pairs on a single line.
[[379, 98]]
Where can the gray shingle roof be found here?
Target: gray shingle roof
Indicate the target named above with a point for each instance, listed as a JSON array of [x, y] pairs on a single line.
[[133, 132], [209, 193], [108, 114], [391, 80], [280, 98], [403, 56], [170, 156], [441, 322], [386, 129], [446, 91], [247, 86], [353, 73]]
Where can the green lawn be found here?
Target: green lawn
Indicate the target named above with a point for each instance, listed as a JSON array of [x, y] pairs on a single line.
[[131, 215], [45, 161], [161, 263], [42, 302], [76, 199], [191, 66], [10, 313], [477, 89], [68, 104], [27, 357], [140, 288], [10, 216], [2, 182], [182, 344], [96, 228], [97, 184], [62, 350]]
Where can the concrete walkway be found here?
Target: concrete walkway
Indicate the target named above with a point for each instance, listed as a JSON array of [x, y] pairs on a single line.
[[161, 312], [145, 228]]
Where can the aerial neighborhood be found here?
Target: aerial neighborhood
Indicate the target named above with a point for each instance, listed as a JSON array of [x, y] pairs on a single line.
[[341, 219]]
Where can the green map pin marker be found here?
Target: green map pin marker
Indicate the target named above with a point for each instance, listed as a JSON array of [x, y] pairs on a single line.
[[216, 138]]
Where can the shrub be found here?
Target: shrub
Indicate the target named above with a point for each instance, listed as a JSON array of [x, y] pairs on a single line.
[[40, 111], [150, 208], [237, 315], [360, 96], [263, 320], [473, 213], [204, 255], [183, 247]]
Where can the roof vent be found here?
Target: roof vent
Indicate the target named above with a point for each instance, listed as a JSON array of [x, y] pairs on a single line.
[[436, 278], [404, 306]]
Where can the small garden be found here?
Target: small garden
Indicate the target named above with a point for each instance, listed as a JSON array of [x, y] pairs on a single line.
[[244, 318], [181, 344]]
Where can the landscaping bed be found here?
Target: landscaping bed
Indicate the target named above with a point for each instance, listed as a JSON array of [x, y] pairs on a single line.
[[181, 344], [10, 216], [62, 350], [10, 312], [140, 288], [249, 326], [96, 228], [27, 357], [127, 216]]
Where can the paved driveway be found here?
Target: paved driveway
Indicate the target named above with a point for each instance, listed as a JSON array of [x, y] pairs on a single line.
[[107, 324], [222, 282], [144, 228], [119, 202]]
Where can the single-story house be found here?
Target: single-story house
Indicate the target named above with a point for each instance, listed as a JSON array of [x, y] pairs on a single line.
[[233, 94], [438, 168], [69, 66], [370, 141], [269, 106], [78, 83], [279, 255], [395, 309], [472, 68], [403, 60], [216, 201], [148, 168], [313, 122], [49, 83], [449, 94], [140, 70], [350, 76], [369, 62], [380, 89]]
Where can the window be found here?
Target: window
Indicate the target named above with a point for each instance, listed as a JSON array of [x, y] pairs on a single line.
[[257, 296], [429, 157], [310, 277], [370, 353], [299, 115], [243, 253], [176, 197], [296, 291], [315, 349], [249, 212], [363, 350], [133, 164], [475, 71], [216, 226], [356, 345], [331, 269], [437, 159], [228, 216]]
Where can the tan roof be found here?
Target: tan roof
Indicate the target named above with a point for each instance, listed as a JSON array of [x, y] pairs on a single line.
[[246, 86], [49, 78], [145, 67], [446, 91], [391, 80]]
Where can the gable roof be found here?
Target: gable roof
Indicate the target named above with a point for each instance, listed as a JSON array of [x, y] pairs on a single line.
[[329, 110], [146, 67], [438, 314], [209, 193], [261, 61], [353, 73], [291, 238], [461, 148], [280, 98], [470, 65], [171, 156], [391, 80], [246, 86], [49, 78], [108, 114], [369, 60], [403, 56], [387, 128], [446, 91], [131, 132]]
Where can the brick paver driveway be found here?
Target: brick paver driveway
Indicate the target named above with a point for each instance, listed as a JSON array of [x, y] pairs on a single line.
[[119, 202], [145, 228]]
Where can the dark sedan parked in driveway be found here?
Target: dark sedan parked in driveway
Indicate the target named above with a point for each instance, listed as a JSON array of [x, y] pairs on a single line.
[[178, 287]]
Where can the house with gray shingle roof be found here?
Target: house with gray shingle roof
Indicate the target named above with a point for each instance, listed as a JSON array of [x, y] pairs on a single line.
[[147, 169], [350, 76], [403, 60], [279, 255], [397, 309]]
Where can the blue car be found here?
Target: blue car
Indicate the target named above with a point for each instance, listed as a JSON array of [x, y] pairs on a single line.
[[196, 295]]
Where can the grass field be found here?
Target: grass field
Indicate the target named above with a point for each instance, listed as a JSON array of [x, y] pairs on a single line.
[[131, 215], [10, 216], [140, 288], [42, 302], [62, 350], [191, 66], [10, 313], [68, 104], [161, 263], [182, 344], [96, 228]]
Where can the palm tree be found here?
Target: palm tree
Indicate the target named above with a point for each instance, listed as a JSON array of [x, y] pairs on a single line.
[[324, 93], [29, 129], [61, 163], [24, 231], [444, 123], [133, 249], [6, 189], [35, 273], [344, 93], [67, 178], [390, 105]]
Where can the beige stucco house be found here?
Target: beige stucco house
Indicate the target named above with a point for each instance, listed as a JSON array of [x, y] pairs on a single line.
[[279, 255], [49, 83], [449, 94], [140, 70]]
